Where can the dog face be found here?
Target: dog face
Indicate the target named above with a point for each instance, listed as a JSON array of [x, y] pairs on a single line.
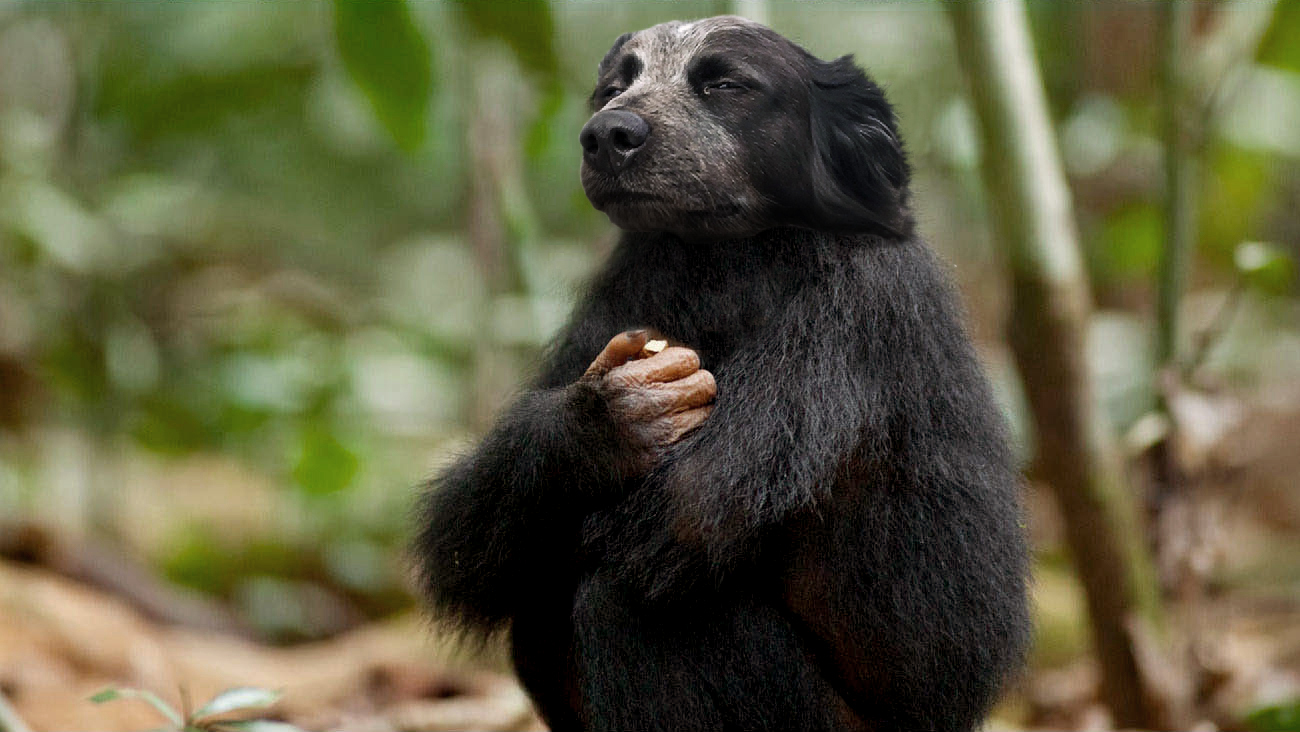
[[722, 128]]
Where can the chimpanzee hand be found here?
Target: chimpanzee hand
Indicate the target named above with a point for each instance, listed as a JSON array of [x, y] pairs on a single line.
[[653, 401]]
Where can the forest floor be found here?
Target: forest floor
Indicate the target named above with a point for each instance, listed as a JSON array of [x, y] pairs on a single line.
[[75, 619], [62, 641]]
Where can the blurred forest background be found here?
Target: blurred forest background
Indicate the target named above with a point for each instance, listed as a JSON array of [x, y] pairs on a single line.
[[265, 266]]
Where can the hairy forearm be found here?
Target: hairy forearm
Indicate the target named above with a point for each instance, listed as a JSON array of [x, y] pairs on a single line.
[[494, 521], [764, 455], [769, 451]]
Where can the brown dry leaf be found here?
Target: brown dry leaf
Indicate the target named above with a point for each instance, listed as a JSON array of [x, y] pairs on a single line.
[[61, 642]]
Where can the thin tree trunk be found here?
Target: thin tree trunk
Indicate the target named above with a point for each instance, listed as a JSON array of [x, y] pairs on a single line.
[[1170, 502], [1193, 91], [1078, 456], [1180, 222]]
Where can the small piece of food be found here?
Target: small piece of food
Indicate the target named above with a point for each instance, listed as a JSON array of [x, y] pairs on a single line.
[[652, 347]]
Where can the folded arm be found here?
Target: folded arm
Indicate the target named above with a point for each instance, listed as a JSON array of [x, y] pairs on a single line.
[[502, 521], [791, 409]]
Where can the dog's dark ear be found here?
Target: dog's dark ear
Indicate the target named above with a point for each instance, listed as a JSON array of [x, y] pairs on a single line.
[[608, 61], [859, 171]]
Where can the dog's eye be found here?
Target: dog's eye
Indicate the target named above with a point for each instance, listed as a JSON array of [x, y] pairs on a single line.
[[610, 93], [724, 85]]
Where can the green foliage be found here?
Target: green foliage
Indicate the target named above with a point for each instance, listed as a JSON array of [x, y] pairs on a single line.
[[1284, 717], [165, 709], [1242, 186], [1060, 634], [204, 719], [526, 26], [539, 131], [259, 725], [182, 418], [197, 102], [1264, 267], [230, 700], [388, 58], [1130, 243], [1281, 44], [324, 464], [206, 561], [285, 587]]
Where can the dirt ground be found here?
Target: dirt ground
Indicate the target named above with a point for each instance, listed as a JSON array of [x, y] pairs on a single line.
[[61, 642]]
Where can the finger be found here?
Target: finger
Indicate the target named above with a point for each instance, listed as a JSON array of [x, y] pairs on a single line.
[[683, 423], [652, 401], [618, 351], [671, 364], [641, 403], [693, 391]]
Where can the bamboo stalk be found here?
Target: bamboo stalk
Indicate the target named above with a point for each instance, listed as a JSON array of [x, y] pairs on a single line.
[[1031, 210], [1180, 175]]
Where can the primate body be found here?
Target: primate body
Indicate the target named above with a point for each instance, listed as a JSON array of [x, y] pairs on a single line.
[[801, 516]]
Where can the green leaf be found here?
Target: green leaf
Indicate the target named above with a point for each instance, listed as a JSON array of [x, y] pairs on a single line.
[[325, 465], [387, 57], [1264, 266], [1129, 244], [1280, 46], [240, 697], [106, 695], [148, 697], [541, 128], [1283, 717], [198, 103], [526, 26], [259, 725]]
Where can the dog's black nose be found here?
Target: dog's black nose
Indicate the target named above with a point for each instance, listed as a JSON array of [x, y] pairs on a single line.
[[610, 139]]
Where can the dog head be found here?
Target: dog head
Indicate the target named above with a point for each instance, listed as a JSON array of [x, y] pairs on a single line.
[[722, 127]]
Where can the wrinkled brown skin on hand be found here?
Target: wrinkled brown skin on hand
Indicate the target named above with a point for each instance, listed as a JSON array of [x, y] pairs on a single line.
[[654, 401]]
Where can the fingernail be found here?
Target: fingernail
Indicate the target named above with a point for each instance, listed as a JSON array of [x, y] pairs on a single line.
[[635, 332]]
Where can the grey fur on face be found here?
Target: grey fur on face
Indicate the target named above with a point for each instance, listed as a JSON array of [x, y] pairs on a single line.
[[724, 128], [690, 178]]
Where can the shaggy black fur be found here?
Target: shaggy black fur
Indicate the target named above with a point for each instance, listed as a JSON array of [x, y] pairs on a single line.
[[836, 547]]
